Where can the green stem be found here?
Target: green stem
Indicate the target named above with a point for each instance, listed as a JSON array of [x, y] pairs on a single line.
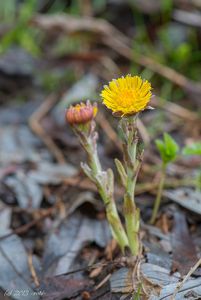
[[159, 195], [116, 226], [132, 217], [132, 213]]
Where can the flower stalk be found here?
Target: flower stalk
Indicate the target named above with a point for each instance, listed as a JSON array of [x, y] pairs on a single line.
[[132, 165], [159, 195], [104, 181], [126, 97]]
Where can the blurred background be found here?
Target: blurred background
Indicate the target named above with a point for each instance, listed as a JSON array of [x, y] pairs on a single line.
[[54, 53], [44, 46]]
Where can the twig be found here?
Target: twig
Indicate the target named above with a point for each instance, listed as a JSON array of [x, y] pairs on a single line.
[[70, 25], [26, 227], [102, 282], [35, 125], [121, 261], [32, 270], [180, 284]]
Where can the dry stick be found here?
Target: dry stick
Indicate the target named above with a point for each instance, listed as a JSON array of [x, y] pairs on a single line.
[[103, 282], [34, 123], [24, 228], [71, 24], [121, 261], [180, 284], [32, 270]]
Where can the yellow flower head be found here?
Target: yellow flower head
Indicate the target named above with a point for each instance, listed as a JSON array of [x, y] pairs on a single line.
[[127, 95]]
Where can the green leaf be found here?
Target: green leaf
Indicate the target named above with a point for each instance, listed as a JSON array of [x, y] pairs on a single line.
[[167, 148], [170, 144], [193, 149], [87, 170], [110, 182], [161, 147], [121, 171]]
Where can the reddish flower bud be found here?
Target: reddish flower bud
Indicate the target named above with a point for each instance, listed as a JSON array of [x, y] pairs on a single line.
[[81, 113]]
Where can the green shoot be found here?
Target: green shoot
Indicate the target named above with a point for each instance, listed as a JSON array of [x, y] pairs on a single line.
[[168, 150]]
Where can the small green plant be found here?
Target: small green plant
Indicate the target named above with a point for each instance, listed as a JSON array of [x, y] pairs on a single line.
[[194, 149], [168, 150], [126, 97]]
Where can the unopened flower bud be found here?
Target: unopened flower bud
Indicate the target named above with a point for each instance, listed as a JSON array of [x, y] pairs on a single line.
[[81, 113]]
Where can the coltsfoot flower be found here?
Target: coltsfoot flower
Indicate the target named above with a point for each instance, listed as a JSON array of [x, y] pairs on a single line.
[[81, 113], [127, 95]]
